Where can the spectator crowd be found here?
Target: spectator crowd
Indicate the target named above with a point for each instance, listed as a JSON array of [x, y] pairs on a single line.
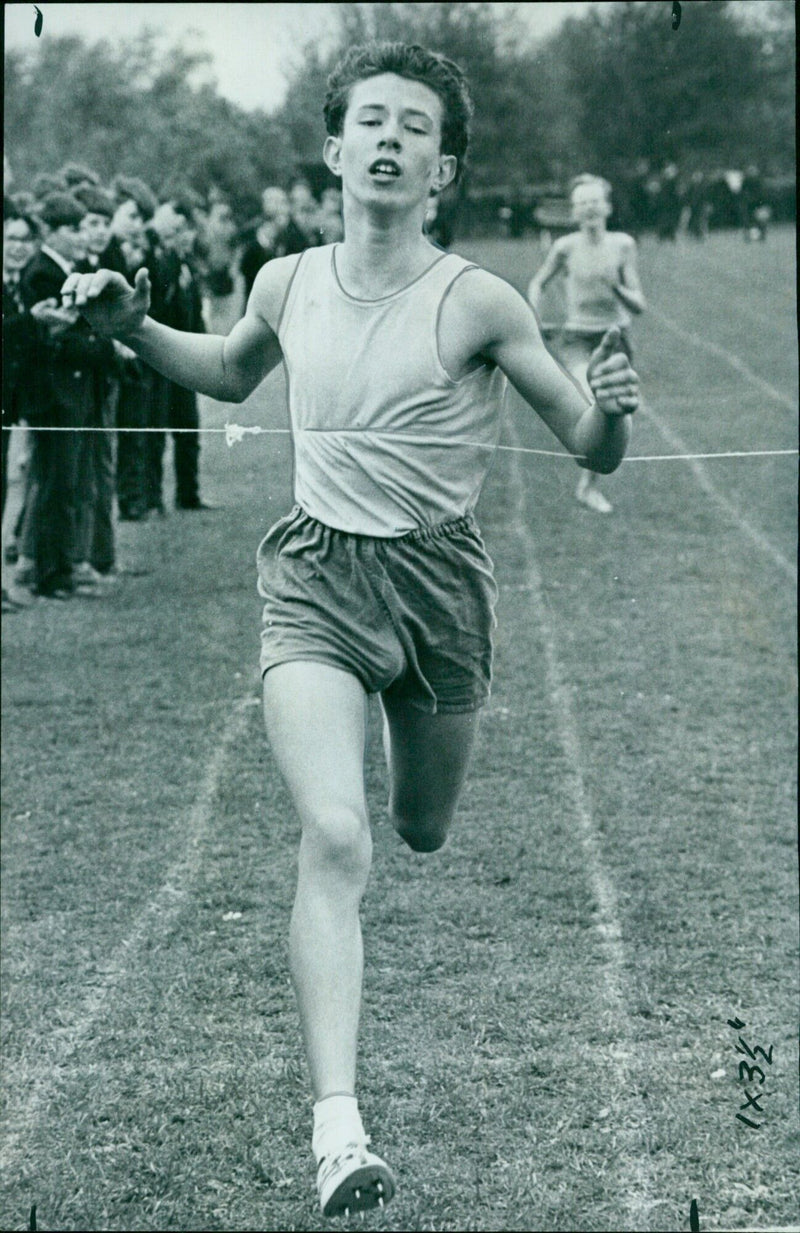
[[671, 204], [656, 199], [72, 487]]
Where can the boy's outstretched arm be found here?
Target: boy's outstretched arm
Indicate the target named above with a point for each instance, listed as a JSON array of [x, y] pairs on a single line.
[[628, 288], [551, 266], [226, 368], [596, 434]]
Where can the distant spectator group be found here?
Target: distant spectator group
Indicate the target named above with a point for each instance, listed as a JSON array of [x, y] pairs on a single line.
[[650, 198], [672, 204], [60, 379]]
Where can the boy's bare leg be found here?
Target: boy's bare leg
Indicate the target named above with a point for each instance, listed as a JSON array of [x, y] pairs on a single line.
[[316, 722], [588, 493], [576, 360], [428, 757]]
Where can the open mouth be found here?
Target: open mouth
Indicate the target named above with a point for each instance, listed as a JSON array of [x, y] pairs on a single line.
[[385, 169]]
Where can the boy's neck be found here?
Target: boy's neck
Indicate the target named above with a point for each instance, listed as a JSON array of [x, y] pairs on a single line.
[[594, 232], [381, 254]]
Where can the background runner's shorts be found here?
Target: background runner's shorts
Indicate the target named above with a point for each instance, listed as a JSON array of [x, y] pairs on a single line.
[[412, 616], [569, 339]]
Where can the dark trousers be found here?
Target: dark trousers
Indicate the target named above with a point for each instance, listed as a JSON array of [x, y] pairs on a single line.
[[6, 441], [174, 408], [102, 552], [49, 532], [95, 530], [133, 412], [11, 415]]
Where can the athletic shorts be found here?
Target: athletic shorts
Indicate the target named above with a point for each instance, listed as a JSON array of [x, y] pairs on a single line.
[[410, 617], [576, 339]]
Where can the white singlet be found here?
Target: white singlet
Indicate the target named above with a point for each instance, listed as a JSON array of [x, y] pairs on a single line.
[[385, 441], [590, 270]]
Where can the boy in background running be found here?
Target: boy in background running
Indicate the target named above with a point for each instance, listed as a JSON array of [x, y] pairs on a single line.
[[602, 290]]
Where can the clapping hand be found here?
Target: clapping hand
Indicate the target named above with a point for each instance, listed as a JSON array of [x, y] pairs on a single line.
[[50, 314], [107, 301], [611, 378]]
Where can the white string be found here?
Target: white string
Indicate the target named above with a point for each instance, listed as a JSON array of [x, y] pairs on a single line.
[[235, 433], [518, 449]]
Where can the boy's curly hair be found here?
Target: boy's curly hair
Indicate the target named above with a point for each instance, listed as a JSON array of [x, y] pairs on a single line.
[[416, 63]]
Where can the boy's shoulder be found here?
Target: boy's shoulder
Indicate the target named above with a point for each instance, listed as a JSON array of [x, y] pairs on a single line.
[[563, 246], [621, 239], [478, 301], [475, 283], [271, 285]]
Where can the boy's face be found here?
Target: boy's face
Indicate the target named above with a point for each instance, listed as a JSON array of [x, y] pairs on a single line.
[[590, 204], [174, 230], [220, 220], [275, 205], [68, 241], [183, 242], [127, 223], [303, 207], [17, 244], [96, 230], [389, 152]]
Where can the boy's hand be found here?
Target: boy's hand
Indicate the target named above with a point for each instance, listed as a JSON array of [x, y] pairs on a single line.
[[50, 314], [123, 352], [107, 302], [613, 382]]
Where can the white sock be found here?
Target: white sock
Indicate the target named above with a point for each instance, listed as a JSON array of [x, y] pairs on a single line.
[[337, 1122]]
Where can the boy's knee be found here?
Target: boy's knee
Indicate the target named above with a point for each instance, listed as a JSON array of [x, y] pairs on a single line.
[[340, 839], [422, 834]]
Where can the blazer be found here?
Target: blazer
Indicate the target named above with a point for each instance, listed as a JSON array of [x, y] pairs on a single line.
[[19, 356], [178, 302], [64, 385]]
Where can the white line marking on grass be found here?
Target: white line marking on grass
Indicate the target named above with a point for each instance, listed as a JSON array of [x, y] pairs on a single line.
[[705, 344], [165, 905], [702, 477], [636, 1183]]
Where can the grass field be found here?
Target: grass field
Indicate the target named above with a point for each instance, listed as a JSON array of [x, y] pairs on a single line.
[[545, 1036]]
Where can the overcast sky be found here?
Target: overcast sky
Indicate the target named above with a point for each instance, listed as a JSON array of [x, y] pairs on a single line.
[[252, 44]]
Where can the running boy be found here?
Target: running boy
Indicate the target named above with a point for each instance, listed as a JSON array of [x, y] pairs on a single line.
[[602, 290], [377, 581]]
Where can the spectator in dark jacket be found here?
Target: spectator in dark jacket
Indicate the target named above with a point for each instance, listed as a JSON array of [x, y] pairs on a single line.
[[266, 236], [219, 245], [303, 229], [96, 537], [128, 250], [669, 204], [19, 238], [69, 352], [179, 305], [756, 213]]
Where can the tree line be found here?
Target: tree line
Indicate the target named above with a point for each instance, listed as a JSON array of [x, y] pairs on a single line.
[[609, 88]]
